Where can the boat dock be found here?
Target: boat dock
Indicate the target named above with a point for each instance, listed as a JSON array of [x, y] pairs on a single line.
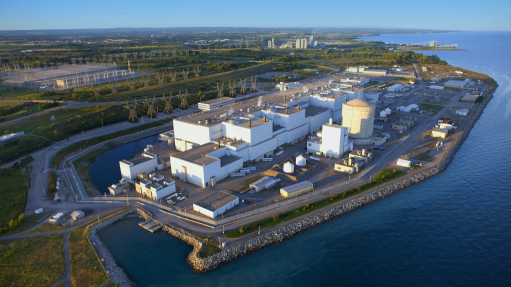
[[150, 225]]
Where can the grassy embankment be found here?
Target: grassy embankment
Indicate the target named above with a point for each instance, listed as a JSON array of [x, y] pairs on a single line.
[[86, 269], [384, 176], [13, 194], [51, 188], [33, 261]]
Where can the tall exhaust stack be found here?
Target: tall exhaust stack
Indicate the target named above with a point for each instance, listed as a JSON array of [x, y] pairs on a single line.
[[331, 121], [287, 111], [352, 88], [249, 124], [299, 108], [284, 98], [264, 118]]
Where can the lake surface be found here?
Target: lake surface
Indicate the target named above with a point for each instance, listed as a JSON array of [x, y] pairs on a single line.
[[105, 171], [451, 230]]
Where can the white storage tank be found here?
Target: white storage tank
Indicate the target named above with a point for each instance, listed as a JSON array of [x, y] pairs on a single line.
[[300, 160], [289, 167], [383, 114]]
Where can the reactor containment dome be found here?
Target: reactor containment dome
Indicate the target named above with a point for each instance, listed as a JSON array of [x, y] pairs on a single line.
[[358, 117]]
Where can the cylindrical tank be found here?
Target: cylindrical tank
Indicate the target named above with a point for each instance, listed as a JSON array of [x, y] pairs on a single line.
[[289, 167], [300, 160], [358, 117]]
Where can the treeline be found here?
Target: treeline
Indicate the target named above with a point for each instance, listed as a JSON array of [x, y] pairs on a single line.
[[384, 56], [9, 110], [15, 148]]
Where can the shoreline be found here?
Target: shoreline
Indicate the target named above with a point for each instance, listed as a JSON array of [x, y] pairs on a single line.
[[279, 234]]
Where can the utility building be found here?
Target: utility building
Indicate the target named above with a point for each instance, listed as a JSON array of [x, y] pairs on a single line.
[[296, 189], [130, 169], [216, 204]]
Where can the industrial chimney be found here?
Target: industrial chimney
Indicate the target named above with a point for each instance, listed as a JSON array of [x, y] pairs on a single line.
[[352, 88], [299, 107], [287, 111], [264, 118], [284, 98], [332, 95], [249, 124]]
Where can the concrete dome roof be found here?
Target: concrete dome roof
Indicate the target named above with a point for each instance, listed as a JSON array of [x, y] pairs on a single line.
[[358, 103]]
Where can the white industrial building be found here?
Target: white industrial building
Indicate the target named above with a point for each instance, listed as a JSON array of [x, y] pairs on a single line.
[[217, 143], [156, 188], [130, 169], [216, 204], [395, 88], [215, 103], [333, 142], [288, 86]]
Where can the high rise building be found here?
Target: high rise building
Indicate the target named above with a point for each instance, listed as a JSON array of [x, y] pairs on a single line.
[[304, 43], [273, 43], [312, 41], [269, 44], [298, 43]]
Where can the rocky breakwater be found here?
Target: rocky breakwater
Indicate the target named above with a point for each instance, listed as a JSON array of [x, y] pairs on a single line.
[[114, 272]]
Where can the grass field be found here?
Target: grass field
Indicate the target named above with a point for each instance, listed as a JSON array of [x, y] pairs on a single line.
[[41, 122], [425, 157], [33, 261], [86, 270], [384, 176], [22, 113], [13, 188], [432, 107]]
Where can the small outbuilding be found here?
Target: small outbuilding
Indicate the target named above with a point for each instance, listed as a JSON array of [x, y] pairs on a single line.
[[77, 214], [404, 163], [289, 167], [296, 189], [439, 133]]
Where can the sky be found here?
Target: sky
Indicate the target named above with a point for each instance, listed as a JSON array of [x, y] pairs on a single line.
[[466, 15]]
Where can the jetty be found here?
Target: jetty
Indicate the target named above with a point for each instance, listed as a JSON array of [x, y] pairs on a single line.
[[150, 225]]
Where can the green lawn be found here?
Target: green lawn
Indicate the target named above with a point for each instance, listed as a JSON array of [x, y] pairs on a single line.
[[432, 107], [33, 261], [86, 270], [384, 176]]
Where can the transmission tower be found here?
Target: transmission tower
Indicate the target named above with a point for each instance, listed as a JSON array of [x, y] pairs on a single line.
[[243, 85], [185, 75], [150, 107], [173, 77], [161, 79], [196, 70], [133, 111], [184, 103], [168, 103], [220, 89], [232, 89], [253, 80]]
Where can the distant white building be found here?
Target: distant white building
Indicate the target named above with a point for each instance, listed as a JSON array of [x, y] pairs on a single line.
[[289, 86], [395, 88], [216, 204]]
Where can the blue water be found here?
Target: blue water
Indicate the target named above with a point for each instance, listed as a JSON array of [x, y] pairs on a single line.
[[105, 171], [451, 230]]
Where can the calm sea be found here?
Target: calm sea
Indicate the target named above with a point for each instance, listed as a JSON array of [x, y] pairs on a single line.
[[451, 230]]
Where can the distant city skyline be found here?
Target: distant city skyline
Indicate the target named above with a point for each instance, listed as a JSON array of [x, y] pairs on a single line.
[[435, 15]]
